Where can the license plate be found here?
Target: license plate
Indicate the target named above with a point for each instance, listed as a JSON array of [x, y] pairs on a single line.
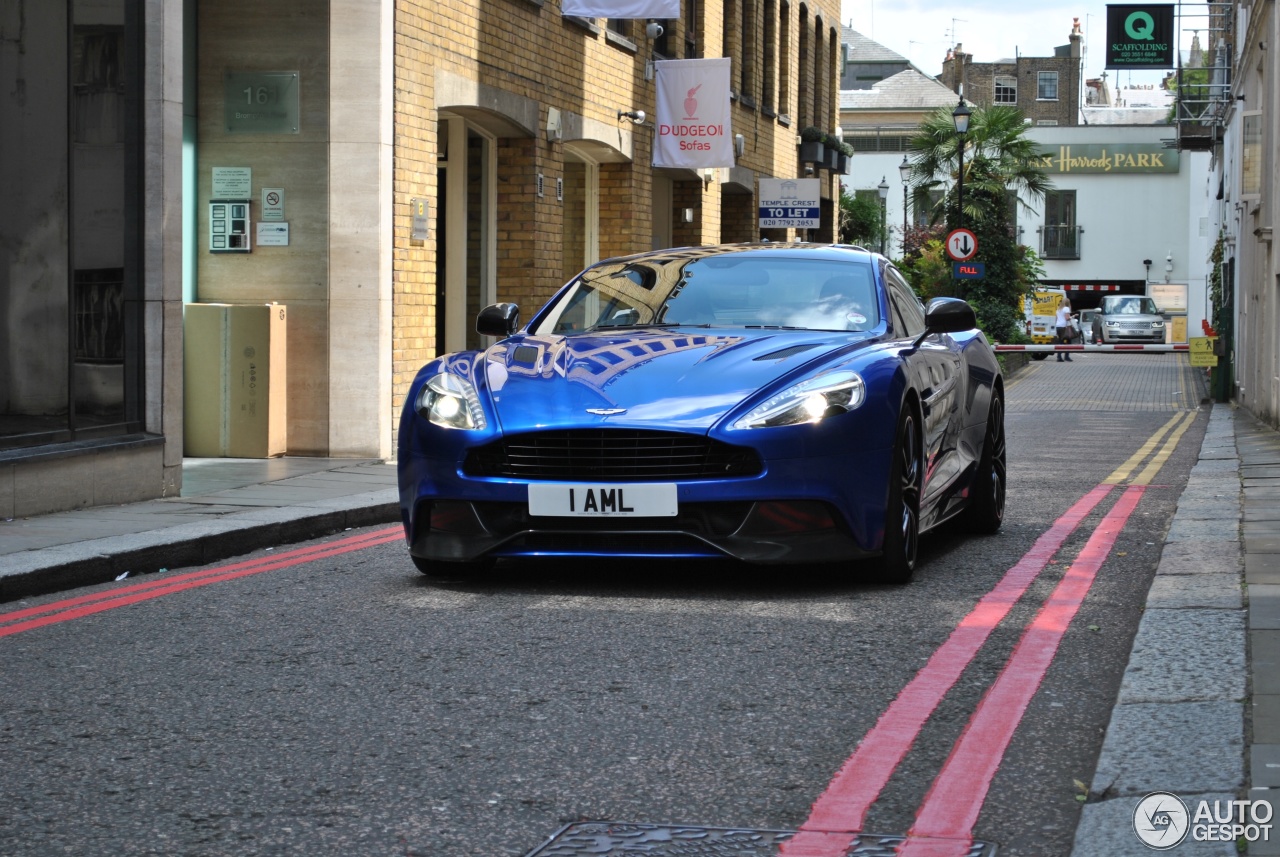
[[644, 500]]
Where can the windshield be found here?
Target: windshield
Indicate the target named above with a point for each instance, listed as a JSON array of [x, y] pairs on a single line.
[[731, 290], [1129, 305]]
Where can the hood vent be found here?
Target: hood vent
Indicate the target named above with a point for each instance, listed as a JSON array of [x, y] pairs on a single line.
[[784, 353]]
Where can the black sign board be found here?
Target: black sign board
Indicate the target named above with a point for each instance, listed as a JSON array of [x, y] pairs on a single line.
[[1140, 36]]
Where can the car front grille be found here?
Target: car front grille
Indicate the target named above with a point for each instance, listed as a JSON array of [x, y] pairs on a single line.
[[1135, 325], [610, 455]]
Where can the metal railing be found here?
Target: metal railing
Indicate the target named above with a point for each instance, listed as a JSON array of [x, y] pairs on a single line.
[[1060, 242]]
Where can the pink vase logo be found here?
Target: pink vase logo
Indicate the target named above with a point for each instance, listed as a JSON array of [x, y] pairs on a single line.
[[691, 103]]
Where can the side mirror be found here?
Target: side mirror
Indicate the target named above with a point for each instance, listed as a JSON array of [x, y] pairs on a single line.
[[498, 320], [949, 315]]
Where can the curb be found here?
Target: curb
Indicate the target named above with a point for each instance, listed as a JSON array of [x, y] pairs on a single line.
[[41, 572]]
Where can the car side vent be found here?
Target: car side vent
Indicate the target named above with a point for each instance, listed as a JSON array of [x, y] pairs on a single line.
[[784, 353], [525, 354]]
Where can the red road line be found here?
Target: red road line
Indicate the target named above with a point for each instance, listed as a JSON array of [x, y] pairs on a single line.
[[950, 809], [98, 602], [844, 804]]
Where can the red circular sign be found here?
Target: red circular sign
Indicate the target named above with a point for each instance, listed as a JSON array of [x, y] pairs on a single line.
[[962, 245]]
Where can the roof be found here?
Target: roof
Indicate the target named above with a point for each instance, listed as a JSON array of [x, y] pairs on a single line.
[[906, 90], [863, 49]]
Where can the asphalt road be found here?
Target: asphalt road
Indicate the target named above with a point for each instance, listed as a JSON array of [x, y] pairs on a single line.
[[348, 706]]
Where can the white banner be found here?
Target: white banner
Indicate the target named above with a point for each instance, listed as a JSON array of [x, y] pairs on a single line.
[[693, 124], [621, 8]]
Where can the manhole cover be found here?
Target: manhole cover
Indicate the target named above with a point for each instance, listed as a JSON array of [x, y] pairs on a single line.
[[610, 839]]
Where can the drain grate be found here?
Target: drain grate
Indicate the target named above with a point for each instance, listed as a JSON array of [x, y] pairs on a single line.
[[609, 839]]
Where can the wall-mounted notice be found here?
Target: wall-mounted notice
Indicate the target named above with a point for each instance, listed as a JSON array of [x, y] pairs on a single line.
[[274, 234], [232, 183]]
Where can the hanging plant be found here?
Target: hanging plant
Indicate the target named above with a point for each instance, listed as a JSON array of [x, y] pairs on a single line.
[[1215, 281]]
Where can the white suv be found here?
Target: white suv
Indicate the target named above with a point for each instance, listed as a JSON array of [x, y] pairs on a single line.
[[1130, 318]]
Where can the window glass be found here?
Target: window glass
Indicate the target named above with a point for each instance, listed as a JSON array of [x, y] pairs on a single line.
[[1006, 89], [717, 291], [72, 367], [906, 304], [1047, 86]]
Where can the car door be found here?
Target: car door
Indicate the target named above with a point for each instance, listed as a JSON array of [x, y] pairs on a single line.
[[938, 373]]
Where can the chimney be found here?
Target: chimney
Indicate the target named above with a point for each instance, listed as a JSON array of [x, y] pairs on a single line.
[[1076, 38]]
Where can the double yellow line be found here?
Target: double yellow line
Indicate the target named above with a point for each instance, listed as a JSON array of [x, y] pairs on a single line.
[[1175, 428]]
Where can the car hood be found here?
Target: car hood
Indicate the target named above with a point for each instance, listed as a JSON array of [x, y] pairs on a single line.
[[643, 378]]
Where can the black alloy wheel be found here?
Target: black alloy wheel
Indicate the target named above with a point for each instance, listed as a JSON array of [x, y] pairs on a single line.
[[902, 516], [986, 512]]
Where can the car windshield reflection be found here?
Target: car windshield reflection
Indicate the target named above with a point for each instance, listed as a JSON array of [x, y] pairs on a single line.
[[775, 293]]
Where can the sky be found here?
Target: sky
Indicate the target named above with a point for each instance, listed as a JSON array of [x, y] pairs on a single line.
[[991, 30]]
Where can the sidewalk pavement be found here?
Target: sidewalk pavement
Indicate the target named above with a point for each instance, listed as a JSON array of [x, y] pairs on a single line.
[[1198, 712], [228, 507]]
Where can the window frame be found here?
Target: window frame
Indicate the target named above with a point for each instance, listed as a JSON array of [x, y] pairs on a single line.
[[1041, 78], [1007, 82]]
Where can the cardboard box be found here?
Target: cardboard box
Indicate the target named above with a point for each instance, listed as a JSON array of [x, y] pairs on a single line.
[[234, 381]]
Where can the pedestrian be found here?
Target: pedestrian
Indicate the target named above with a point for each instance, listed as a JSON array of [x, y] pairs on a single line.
[[1062, 325]]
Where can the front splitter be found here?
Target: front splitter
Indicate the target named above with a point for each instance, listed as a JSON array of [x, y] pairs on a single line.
[[610, 839]]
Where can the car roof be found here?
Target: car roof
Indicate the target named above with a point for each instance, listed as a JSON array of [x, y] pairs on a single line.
[[829, 252]]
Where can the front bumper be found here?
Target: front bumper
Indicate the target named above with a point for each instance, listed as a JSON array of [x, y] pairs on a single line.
[[797, 511], [762, 532]]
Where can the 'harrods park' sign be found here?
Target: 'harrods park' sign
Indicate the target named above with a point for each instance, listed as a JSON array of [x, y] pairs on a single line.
[[1105, 158], [1140, 35]]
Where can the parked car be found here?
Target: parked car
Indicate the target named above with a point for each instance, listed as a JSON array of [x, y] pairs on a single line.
[[1090, 325], [774, 403], [1131, 319]]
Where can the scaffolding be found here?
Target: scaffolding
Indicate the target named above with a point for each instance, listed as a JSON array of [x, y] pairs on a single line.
[[1201, 81]]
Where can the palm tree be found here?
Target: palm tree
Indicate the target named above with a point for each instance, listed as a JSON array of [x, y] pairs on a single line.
[[1001, 169], [998, 157]]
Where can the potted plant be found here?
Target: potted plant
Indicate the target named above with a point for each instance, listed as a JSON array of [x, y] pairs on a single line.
[[846, 157], [812, 150], [831, 152]]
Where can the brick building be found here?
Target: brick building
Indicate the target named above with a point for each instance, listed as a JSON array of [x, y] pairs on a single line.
[[1045, 89], [421, 159]]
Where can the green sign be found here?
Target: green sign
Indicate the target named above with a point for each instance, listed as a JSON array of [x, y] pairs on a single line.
[[1140, 36], [1103, 158]]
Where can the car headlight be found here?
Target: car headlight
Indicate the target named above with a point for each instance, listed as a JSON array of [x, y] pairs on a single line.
[[808, 402], [1157, 324], [450, 401], [1111, 323]]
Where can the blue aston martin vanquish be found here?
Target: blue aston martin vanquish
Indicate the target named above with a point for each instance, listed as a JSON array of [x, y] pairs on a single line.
[[774, 403]]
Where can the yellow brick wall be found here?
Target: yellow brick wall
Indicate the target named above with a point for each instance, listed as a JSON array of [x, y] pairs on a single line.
[[526, 49]]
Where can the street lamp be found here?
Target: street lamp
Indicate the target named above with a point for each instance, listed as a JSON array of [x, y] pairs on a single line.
[[960, 116], [883, 189], [904, 170]]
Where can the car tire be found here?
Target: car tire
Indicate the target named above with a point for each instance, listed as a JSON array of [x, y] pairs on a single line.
[[897, 561], [986, 512], [440, 570], [1039, 355]]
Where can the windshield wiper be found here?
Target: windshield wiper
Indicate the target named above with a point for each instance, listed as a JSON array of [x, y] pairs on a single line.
[[644, 324]]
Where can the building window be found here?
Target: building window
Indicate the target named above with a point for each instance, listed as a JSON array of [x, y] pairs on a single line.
[[1060, 234], [619, 26], [73, 364], [769, 90], [1006, 89], [691, 29], [1251, 155], [1047, 86], [784, 60]]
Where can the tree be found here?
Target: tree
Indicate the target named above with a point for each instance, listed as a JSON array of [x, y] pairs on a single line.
[[1001, 171], [860, 220]]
